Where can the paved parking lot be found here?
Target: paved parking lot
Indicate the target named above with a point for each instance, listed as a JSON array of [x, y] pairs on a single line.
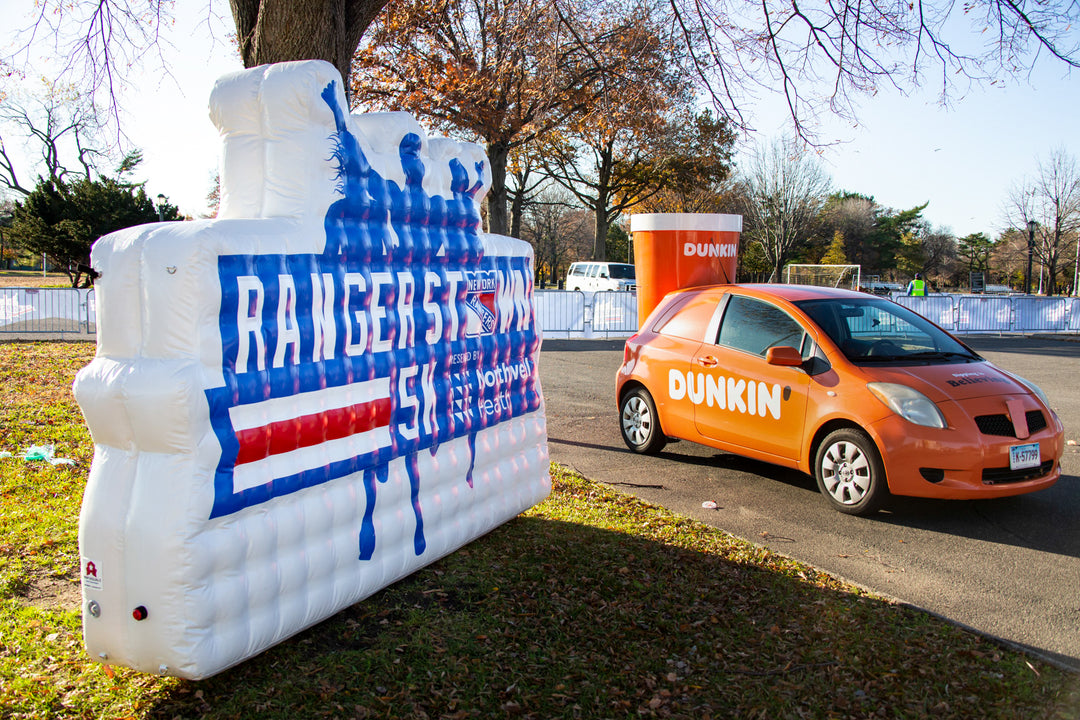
[[1008, 568]]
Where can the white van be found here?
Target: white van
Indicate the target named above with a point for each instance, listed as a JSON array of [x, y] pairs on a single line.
[[597, 276]]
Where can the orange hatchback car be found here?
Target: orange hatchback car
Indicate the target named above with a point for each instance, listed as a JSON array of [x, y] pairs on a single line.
[[867, 396]]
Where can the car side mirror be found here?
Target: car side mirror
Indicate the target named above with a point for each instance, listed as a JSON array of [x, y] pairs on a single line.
[[783, 355]]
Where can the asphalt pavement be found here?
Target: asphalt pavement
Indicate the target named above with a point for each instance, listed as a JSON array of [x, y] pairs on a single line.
[[1008, 568]]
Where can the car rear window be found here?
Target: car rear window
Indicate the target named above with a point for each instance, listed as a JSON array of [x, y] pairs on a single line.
[[689, 317]]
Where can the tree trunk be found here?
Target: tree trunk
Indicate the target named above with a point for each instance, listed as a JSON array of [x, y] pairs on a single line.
[[600, 207], [517, 209], [497, 153], [270, 31], [600, 229]]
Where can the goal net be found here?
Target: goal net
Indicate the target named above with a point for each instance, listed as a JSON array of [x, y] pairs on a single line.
[[840, 276]]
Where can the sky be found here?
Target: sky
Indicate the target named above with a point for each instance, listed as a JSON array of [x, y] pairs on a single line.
[[904, 150]]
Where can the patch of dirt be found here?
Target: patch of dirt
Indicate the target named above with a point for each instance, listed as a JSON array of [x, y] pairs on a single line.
[[30, 279], [53, 593]]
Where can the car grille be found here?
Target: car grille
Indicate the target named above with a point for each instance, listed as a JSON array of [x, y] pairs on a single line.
[[1002, 426], [1000, 476]]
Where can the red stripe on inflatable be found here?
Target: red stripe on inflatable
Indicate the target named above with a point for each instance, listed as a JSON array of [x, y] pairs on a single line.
[[308, 430]]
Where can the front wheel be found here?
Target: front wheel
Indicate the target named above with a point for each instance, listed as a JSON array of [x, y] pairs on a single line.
[[640, 424], [850, 473]]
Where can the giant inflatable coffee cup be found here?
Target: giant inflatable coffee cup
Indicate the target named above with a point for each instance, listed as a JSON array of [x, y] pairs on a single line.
[[678, 250]]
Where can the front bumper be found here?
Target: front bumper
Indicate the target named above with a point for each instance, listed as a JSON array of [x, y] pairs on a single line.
[[962, 462]]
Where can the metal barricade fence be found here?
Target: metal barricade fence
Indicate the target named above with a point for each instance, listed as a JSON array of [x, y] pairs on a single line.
[[614, 312], [586, 314], [938, 309], [559, 311], [69, 313], [1038, 314], [62, 312], [998, 314], [1072, 313], [984, 313]]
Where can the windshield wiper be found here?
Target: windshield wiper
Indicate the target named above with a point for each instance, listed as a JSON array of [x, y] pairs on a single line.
[[880, 358], [942, 355]]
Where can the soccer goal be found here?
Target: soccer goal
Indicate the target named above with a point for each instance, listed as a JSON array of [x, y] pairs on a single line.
[[841, 276]]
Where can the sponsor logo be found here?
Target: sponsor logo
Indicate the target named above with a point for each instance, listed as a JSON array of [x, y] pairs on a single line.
[[90, 578], [747, 397], [707, 250], [973, 378]]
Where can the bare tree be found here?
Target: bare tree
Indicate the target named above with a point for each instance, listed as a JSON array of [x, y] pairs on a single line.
[[821, 55], [855, 217], [938, 255], [65, 132], [104, 41], [524, 183], [559, 232], [1009, 257], [1051, 199], [705, 197], [101, 41], [784, 187]]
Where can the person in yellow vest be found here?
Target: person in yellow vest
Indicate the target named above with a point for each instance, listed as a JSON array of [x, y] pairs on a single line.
[[917, 287]]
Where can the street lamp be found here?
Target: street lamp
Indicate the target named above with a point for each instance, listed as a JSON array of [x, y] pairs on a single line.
[[161, 200], [1031, 247]]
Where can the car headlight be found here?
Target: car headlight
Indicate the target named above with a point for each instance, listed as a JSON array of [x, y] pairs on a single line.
[[908, 403], [1032, 387]]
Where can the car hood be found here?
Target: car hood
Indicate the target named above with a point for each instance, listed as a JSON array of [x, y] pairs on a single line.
[[953, 381]]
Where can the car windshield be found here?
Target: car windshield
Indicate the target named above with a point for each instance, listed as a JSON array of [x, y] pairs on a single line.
[[871, 330], [622, 272]]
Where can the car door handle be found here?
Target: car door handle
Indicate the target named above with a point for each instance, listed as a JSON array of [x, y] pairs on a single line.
[[708, 361]]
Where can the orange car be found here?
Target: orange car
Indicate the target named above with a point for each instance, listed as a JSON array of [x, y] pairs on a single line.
[[867, 396]]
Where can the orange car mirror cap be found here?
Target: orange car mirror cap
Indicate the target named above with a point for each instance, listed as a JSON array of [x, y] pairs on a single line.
[[783, 355]]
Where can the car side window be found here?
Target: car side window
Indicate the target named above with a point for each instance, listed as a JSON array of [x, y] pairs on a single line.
[[754, 326]]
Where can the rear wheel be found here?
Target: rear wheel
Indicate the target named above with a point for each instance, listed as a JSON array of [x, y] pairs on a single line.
[[640, 424], [850, 473]]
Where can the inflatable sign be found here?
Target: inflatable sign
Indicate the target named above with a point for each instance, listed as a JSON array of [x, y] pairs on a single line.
[[296, 404]]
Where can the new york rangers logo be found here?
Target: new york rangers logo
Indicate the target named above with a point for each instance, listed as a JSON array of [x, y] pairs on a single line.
[[480, 301]]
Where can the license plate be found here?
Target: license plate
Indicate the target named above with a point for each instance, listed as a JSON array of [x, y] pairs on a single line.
[[1024, 456]]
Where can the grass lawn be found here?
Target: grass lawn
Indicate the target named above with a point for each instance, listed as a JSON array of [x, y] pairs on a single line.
[[590, 605]]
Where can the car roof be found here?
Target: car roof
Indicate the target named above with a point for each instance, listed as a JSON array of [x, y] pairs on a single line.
[[791, 293]]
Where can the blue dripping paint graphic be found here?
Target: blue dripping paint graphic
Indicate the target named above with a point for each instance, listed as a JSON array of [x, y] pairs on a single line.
[[367, 526], [419, 543], [472, 458]]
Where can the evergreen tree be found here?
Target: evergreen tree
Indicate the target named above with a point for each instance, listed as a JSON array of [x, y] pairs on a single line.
[[62, 220]]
